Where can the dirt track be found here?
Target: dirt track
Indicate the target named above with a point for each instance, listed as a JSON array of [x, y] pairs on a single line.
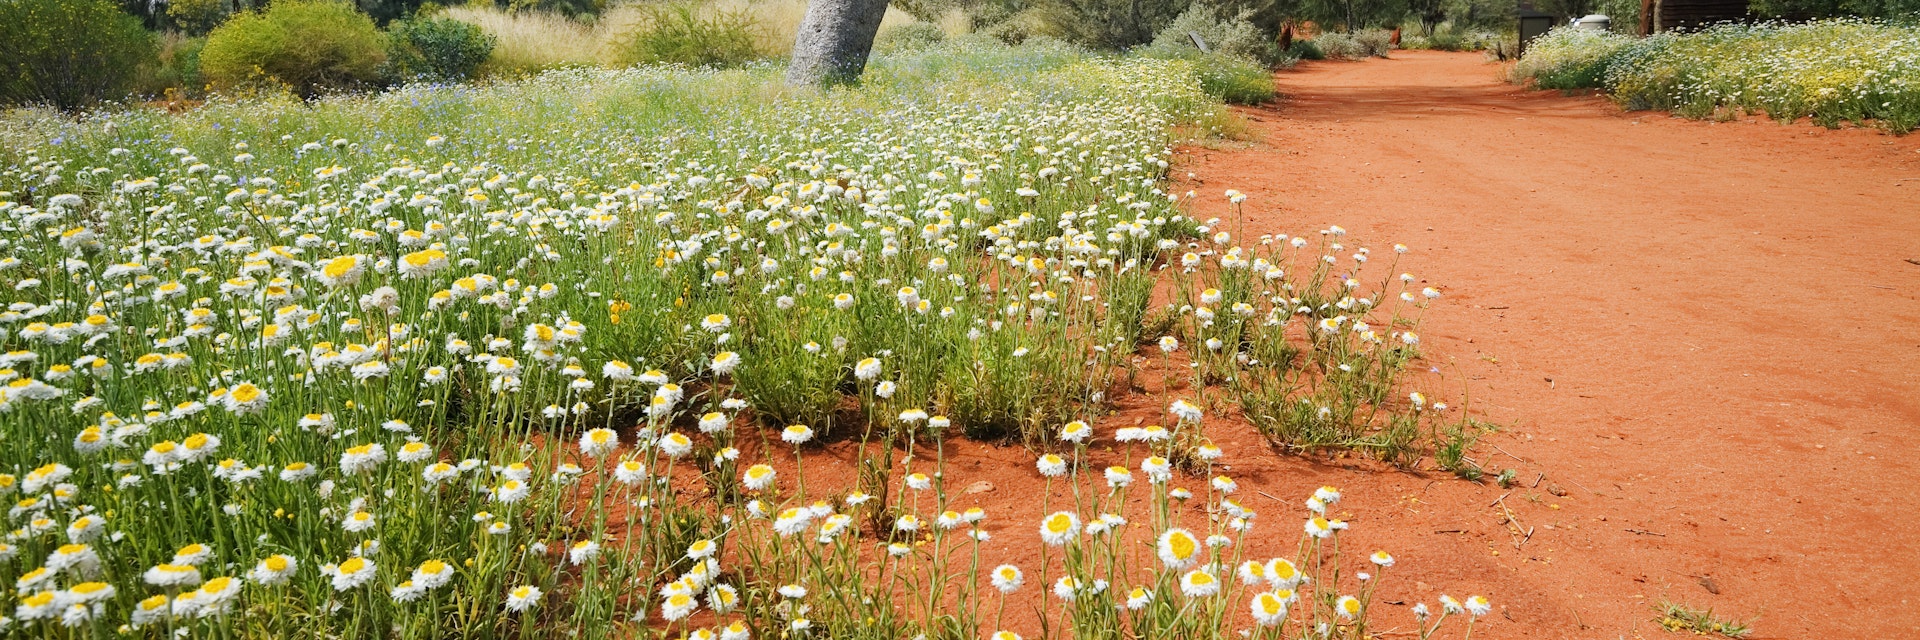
[[1706, 334]]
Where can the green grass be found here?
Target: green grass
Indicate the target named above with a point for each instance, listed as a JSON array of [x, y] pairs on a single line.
[[1674, 616]]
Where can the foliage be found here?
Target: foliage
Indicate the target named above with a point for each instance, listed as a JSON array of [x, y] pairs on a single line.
[[682, 33], [908, 37], [1832, 71], [1674, 616], [1570, 58], [1230, 36], [1232, 79], [1374, 43], [1803, 9], [1339, 46], [1464, 17], [587, 11], [69, 53], [1453, 441], [441, 49], [1110, 24], [196, 17], [1349, 15], [309, 46], [176, 72], [1450, 39], [1306, 50], [1020, 27]]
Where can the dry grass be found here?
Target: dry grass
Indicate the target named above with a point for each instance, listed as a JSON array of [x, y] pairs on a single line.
[[780, 19], [535, 41], [532, 41]]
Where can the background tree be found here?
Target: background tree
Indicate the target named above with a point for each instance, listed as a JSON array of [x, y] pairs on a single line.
[[69, 53], [1350, 15], [834, 40], [1111, 24]]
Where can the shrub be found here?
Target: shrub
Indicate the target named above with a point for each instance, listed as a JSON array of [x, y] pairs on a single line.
[[1235, 80], [1109, 24], [311, 46], [1832, 71], [178, 67], [1456, 39], [1569, 58], [1233, 36], [1232, 79], [197, 16], [436, 49], [1018, 28], [1306, 50], [1374, 42], [69, 53], [908, 37], [1340, 46], [679, 33]]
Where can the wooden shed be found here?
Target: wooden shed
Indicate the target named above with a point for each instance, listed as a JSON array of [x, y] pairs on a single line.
[[1666, 15]]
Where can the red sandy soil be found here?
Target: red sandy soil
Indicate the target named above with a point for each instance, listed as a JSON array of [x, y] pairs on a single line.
[[1703, 334]]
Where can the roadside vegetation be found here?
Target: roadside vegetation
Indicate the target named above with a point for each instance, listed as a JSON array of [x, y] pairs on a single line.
[[1830, 71]]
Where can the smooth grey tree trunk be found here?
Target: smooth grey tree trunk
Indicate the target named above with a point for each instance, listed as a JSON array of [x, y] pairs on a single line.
[[834, 40]]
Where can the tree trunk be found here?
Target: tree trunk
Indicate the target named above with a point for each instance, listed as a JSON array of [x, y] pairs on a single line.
[[834, 40]]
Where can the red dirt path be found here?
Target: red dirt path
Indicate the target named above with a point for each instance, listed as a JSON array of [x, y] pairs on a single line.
[[1704, 334]]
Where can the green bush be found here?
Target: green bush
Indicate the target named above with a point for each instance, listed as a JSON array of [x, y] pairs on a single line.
[[908, 37], [1232, 79], [1570, 58], [1235, 80], [1832, 71], [310, 46], [178, 67], [1340, 46], [440, 49], [1306, 50], [69, 53], [1233, 36], [1110, 25], [1374, 42], [679, 33], [197, 16]]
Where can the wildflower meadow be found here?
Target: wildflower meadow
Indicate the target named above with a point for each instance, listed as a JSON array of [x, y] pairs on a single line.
[[550, 357], [1831, 71]]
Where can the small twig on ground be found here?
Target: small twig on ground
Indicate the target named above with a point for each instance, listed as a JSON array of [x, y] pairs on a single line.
[[1520, 536], [1497, 448], [1645, 532], [1536, 481]]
